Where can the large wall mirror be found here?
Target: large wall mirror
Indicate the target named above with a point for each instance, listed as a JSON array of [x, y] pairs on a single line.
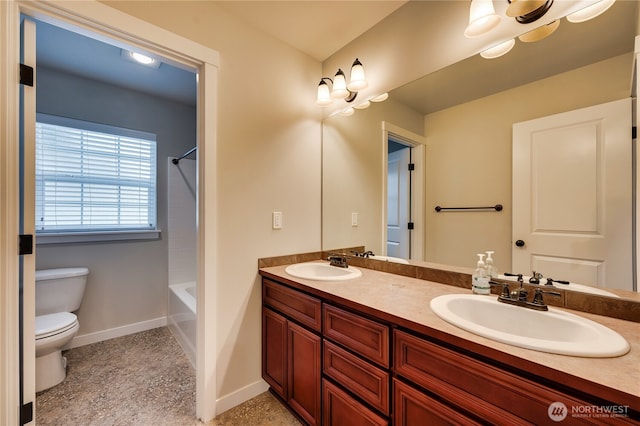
[[463, 116]]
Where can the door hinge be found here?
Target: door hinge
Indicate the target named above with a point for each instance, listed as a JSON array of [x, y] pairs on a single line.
[[26, 413], [410, 225], [25, 244], [634, 132], [26, 75], [412, 167]]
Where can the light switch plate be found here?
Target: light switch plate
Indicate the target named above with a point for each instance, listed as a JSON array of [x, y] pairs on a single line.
[[354, 219], [277, 220]]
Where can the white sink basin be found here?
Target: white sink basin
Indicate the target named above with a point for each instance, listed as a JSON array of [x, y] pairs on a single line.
[[322, 272], [390, 259], [571, 286], [553, 331]]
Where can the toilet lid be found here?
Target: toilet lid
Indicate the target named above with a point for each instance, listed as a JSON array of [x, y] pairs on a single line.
[[51, 324]]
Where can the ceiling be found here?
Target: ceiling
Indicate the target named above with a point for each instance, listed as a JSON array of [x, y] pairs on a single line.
[[320, 28]]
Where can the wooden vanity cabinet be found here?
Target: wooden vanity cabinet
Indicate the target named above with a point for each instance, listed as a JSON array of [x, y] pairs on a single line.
[[291, 352], [340, 366]]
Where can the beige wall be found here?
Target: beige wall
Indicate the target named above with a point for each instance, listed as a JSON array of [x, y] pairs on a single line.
[[268, 159], [352, 173], [469, 157]]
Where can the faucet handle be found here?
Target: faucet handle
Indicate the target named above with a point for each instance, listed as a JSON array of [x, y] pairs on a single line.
[[505, 288], [539, 300]]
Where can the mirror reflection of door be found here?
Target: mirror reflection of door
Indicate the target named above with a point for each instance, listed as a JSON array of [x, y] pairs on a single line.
[[398, 200], [572, 202]]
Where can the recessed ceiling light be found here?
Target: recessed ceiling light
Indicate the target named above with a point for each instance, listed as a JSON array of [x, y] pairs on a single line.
[[140, 58]]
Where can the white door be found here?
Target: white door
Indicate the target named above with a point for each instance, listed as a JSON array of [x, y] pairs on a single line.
[[398, 204], [572, 196], [28, 222]]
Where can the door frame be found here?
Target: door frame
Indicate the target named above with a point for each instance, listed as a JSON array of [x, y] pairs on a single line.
[[418, 143], [99, 21]]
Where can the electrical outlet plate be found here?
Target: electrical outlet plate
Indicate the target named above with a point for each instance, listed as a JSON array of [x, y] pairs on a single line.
[[277, 220]]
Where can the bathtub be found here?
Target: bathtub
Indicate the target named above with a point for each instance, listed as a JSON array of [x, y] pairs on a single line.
[[182, 317]]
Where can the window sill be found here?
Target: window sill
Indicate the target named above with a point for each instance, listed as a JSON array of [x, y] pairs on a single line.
[[91, 237]]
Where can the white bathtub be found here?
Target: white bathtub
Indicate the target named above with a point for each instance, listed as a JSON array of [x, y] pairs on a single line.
[[182, 317]]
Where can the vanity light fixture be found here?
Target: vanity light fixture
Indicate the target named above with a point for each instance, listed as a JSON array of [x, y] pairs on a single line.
[[526, 12], [590, 12], [340, 88]]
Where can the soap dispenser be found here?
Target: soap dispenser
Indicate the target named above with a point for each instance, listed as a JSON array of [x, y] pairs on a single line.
[[480, 278], [492, 271]]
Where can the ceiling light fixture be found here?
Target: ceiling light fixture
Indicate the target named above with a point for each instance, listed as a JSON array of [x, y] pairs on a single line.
[[590, 12], [540, 32], [140, 58], [340, 88]]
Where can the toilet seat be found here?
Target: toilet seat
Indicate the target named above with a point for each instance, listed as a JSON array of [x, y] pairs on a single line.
[[52, 324]]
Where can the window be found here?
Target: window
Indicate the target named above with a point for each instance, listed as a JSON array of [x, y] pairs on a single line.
[[92, 178]]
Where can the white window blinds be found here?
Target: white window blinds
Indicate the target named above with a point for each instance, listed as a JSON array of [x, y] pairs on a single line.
[[93, 178]]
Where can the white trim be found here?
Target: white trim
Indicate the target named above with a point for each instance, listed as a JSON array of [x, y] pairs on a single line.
[[97, 20], [241, 395], [85, 237], [9, 185], [112, 333], [418, 143]]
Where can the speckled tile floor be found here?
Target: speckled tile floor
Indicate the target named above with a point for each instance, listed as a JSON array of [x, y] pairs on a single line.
[[142, 379]]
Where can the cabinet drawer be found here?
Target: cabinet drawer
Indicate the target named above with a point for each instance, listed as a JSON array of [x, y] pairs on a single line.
[[413, 408], [470, 384], [296, 305], [363, 379], [340, 409], [361, 335]]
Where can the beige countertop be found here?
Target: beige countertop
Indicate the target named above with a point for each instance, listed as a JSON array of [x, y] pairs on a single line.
[[408, 299]]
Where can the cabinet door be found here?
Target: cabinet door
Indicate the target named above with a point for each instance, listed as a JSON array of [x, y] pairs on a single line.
[[414, 408], [340, 409], [274, 351], [304, 373]]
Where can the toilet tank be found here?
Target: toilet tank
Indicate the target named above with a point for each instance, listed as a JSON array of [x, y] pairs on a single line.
[[59, 290]]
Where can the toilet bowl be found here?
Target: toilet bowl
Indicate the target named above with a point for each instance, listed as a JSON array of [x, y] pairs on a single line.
[[58, 294]]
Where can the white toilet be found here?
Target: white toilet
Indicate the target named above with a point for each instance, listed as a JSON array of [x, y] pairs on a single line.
[[58, 294]]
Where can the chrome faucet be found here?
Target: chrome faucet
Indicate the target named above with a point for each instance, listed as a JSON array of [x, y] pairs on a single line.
[[338, 260], [519, 296]]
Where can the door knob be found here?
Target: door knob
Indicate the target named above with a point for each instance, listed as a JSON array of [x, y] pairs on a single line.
[[520, 243]]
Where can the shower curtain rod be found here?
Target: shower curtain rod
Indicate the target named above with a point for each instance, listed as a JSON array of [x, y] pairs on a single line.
[[177, 160]]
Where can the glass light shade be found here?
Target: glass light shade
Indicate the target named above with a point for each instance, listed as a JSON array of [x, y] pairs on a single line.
[[363, 105], [357, 80], [540, 32], [324, 97], [482, 18], [590, 12], [523, 7], [347, 112], [498, 50], [339, 86], [380, 98]]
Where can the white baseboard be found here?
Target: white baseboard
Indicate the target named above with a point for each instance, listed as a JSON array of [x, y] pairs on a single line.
[[241, 395], [99, 336]]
